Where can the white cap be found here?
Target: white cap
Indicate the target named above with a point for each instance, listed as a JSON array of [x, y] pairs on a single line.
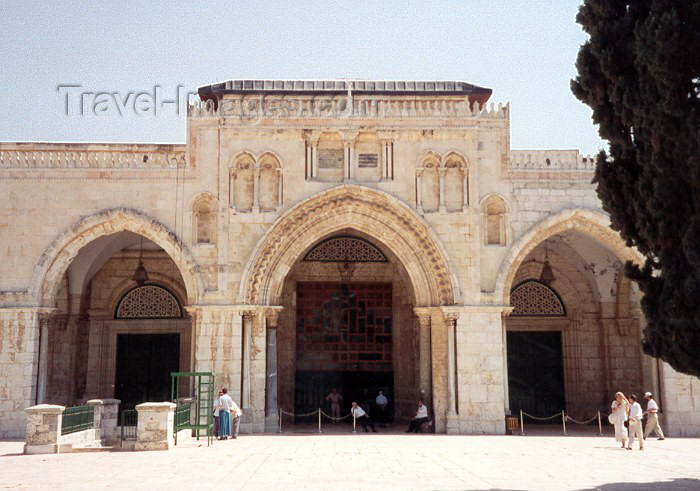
[[647, 394]]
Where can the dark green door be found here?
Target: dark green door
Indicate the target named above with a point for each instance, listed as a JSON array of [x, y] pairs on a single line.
[[535, 373], [144, 363]]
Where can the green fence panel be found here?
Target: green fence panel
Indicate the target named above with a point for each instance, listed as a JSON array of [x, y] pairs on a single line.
[[77, 418]]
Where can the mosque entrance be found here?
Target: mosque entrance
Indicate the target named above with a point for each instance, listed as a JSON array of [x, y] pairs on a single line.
[[344, 338], [144, 364], [535, 372]]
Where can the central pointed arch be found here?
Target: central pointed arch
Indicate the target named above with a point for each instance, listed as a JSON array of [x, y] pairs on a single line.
[[372, 212]]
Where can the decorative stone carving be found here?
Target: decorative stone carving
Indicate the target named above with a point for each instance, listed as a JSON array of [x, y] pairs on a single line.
[[358, 202], [339, 249], [535, 299], [52, 265], [148, 302]]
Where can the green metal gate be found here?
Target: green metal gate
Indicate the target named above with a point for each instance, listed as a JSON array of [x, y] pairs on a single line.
[[204, 402]]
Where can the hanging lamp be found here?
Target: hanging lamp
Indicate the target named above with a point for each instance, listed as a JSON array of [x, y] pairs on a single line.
[[140, 275], [547, 274]]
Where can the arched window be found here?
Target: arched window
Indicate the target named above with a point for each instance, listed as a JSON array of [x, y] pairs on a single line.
[[148, 302], [494, 221], [204, 221], [456, 183], [270, 183], [532, 298], [428, 184], [242, 183]]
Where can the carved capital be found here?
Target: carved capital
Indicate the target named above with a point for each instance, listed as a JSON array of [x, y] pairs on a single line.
[[273, 315]]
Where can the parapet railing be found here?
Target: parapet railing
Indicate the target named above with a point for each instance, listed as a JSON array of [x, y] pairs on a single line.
[[85, 156], [253, 108], [550, 161], [78, 418]]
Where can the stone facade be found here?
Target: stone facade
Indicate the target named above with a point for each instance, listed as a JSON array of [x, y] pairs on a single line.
[[422, 171]]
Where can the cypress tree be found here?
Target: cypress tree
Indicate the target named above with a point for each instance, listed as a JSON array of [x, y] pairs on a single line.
[[640, 74]]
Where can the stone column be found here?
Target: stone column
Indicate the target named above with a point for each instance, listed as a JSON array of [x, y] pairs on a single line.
[[19, 353], [256, 189], [419, 198], [349, 148], [154, 430], [442, 172], [439, 368], [43, 428], [451, 325], [257, 375], [231, 190], [465, 192], [385, 160], [480, 368], [43, 365], [248, 317], [271, 408], [424, 354]]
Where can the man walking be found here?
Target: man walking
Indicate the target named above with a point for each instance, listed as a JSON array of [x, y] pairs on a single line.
[[635, 422], [652, 417], [382, 405]]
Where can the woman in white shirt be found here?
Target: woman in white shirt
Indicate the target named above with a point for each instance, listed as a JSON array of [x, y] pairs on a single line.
[[620, 409]]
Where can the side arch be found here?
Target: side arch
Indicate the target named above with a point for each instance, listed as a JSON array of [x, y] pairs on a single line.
[[54, 262], [369, 211], [590, 222]]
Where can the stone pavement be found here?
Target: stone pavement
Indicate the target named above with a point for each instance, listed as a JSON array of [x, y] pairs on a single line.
[[368, 461]]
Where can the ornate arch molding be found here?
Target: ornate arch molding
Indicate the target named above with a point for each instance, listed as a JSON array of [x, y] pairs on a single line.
[[54, 262], [593, 223], [369, 211]]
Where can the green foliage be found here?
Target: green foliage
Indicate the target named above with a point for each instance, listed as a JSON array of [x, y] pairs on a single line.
[[640, 73]]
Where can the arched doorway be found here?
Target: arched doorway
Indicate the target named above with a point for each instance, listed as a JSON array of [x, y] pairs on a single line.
[[93, 344], [572, 339], [348, 324], [384, 222]]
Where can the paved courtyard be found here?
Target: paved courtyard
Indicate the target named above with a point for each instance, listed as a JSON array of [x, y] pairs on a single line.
[[368, 461]]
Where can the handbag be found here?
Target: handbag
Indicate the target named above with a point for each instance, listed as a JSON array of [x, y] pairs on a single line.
[[627, 424]]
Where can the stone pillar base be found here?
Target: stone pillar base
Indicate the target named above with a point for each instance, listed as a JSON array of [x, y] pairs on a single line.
[[155, 426], [272, 423], [452, 423]]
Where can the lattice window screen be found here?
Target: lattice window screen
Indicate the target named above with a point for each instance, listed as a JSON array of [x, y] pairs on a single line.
[[340, 249], [535, 299], [148, 302]]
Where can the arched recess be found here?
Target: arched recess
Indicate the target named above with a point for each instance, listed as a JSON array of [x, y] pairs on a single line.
[[592, 223], [204, 219], [54, 262], [369, 211]]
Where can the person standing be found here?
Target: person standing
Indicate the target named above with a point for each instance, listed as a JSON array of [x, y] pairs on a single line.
[[382, 407], [635, 423], [652, 418], [217, 408], [420, 418], [225, 406], [620, 409], [362, 417], [334, 398], [236, 413]]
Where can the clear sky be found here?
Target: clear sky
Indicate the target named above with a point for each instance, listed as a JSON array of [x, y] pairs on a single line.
[[524, 50]]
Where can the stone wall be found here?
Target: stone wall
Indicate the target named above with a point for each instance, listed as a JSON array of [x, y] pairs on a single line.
[[680, 403]]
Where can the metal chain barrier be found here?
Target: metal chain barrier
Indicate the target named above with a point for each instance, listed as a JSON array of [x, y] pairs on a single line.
[[318, 412], [564, 419]]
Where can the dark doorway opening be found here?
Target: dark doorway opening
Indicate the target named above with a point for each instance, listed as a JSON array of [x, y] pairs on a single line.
[[144, 364], [343, 340], [535, 373]]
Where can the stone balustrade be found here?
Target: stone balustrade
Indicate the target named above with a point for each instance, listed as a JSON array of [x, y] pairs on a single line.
[[550, 161], [84, 156], [273, 106]]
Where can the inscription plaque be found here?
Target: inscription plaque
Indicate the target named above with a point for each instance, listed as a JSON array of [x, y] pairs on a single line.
[[367, 160], [330, 158]]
